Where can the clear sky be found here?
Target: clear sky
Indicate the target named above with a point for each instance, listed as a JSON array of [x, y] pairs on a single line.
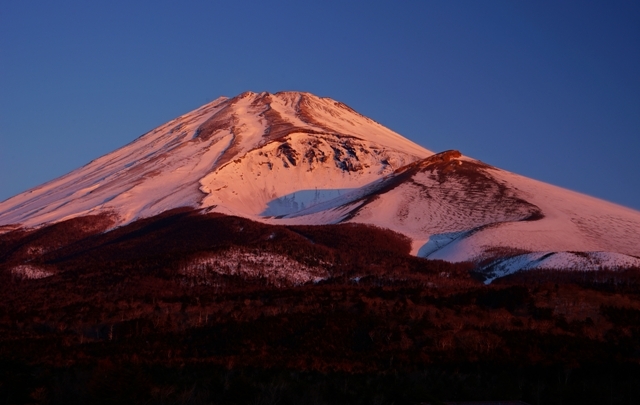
[[547, 89]]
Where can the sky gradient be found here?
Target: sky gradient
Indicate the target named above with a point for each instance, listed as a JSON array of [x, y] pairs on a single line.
[[549, 90]]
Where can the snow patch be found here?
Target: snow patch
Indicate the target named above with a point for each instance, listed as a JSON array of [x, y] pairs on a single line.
[[438, 241], [273, 268], [30, 272], [301, 200], [583, 261]]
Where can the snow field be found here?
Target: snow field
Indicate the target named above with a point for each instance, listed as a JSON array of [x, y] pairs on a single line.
[[275, 269]]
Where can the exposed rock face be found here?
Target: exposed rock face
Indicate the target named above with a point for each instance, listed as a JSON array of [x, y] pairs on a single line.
[[445, 156]]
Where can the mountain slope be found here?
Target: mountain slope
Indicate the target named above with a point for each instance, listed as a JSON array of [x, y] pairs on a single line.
[[456, 208], [169, 166], [463, 210]]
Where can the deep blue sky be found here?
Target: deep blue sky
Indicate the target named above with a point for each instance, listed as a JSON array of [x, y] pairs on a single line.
[[547, 89]]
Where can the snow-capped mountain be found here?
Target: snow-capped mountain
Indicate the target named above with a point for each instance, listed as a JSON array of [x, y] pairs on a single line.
[[237, 154], [294, 158]]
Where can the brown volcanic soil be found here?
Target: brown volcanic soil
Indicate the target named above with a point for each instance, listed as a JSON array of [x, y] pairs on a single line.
[[119, 324]]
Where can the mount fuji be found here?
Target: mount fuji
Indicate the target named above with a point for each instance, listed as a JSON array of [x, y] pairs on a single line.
[[292, 158]]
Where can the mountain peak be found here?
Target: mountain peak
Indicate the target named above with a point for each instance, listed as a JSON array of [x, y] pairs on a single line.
[[295, 158], [166, 167]]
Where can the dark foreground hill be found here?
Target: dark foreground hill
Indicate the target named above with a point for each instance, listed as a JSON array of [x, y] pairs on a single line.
[[188, 308]]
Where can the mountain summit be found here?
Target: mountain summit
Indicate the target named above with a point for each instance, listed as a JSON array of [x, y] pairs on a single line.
[[270, 144], [295, 158]]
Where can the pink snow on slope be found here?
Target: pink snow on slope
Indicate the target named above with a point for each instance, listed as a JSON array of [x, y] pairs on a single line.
[[189, 160]]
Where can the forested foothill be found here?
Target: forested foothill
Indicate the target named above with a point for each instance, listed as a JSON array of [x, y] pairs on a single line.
[[153, 312]]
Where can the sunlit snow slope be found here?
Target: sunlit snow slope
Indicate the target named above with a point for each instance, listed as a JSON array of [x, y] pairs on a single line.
[[234, 154], [294, 158], [460, 209]]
